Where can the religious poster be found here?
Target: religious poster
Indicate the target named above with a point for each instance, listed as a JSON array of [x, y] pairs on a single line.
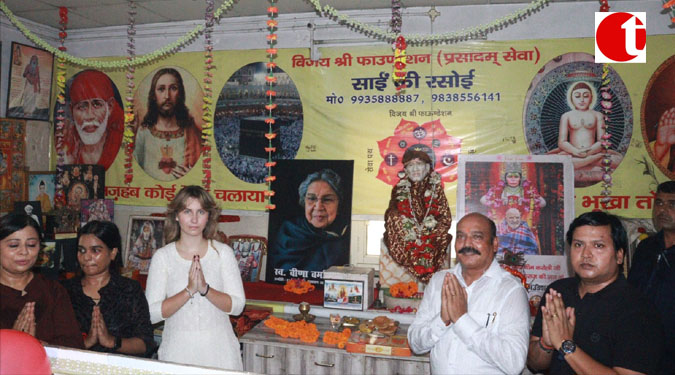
[[30, 83], [309, 230], [30, 208], [459, 99], [76, 182], [240, 126], [657, 117], [93, 119], [13, 175], [96, 209], [41, 187], [168, 140], [531, 201], [145, 234]]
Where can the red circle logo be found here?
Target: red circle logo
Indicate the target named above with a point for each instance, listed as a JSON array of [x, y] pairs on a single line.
[[611, 36]]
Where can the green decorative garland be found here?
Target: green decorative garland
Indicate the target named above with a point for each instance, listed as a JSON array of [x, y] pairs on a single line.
[[169, 49], [419, 39], [327, 10]]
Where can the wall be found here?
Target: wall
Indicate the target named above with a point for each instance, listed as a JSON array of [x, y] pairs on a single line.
[[307, 30]]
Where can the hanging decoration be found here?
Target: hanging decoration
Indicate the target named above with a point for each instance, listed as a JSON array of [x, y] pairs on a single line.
[[128, 140], [61, 100], [606, 104], [419, 39], [399, 46], [670, 4], [328, 11], [148, 58], [270, 79], [209, 66]]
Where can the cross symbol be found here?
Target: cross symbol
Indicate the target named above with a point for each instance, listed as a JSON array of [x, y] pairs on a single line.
[[433, 13]]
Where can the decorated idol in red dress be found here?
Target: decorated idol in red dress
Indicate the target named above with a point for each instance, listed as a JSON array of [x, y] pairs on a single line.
[[418, 218]]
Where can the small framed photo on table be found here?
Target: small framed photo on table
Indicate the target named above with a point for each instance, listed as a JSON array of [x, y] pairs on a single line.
[[145, 234]]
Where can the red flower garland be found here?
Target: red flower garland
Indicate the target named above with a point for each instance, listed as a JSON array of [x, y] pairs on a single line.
[[271, 80]]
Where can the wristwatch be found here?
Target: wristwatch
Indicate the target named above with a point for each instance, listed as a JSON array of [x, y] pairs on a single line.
[[568, 347]]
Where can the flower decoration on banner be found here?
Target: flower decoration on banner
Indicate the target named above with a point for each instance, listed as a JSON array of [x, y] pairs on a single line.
[[670, 4], [209, 66], [270, 80], [430, 137], [61, 100], [606, 105], [128, 140]]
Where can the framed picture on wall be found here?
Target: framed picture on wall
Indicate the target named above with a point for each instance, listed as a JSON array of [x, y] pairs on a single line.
[[145, 234], [41, 187], [30, 82]]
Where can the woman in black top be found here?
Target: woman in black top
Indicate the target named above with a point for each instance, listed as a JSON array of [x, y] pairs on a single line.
[[112, 310]]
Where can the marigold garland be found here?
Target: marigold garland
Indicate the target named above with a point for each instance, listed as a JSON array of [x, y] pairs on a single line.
[[337, 338], [270, 80], [403, 290], [306, 332], [298, 286]]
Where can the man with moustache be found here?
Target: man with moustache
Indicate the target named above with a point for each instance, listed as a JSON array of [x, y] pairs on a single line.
[[515, 235], [98, 121], [473, 318], [595, 322], [168, 142], [652, 270]]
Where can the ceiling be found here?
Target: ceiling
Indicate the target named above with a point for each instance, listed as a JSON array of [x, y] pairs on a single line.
[[85, 14]]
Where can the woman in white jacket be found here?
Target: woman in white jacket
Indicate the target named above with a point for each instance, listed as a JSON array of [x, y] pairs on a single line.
[[194, 284]]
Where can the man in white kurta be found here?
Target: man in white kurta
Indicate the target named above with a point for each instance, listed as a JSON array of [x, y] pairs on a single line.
[[473, 318]]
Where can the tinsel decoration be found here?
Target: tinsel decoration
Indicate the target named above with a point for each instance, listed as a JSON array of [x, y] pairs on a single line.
[[128, 140], [207, 116], [606, 105], [670, 4], [61, 101], [270, 79]]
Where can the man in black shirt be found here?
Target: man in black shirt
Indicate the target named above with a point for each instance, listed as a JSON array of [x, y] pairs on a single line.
[[595, 322], [653, 268]]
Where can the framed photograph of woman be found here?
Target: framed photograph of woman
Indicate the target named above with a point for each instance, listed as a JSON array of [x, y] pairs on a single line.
[[144, 237], [30, 83], [309, 230], [41, 187]]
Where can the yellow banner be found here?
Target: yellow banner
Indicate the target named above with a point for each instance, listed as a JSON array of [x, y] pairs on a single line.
[[479, 97]]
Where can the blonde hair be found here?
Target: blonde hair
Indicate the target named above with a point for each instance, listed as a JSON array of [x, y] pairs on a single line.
[[178, 204]]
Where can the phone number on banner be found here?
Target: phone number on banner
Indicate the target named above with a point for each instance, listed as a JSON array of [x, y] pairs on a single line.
[[467, 97], [367, 99]]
